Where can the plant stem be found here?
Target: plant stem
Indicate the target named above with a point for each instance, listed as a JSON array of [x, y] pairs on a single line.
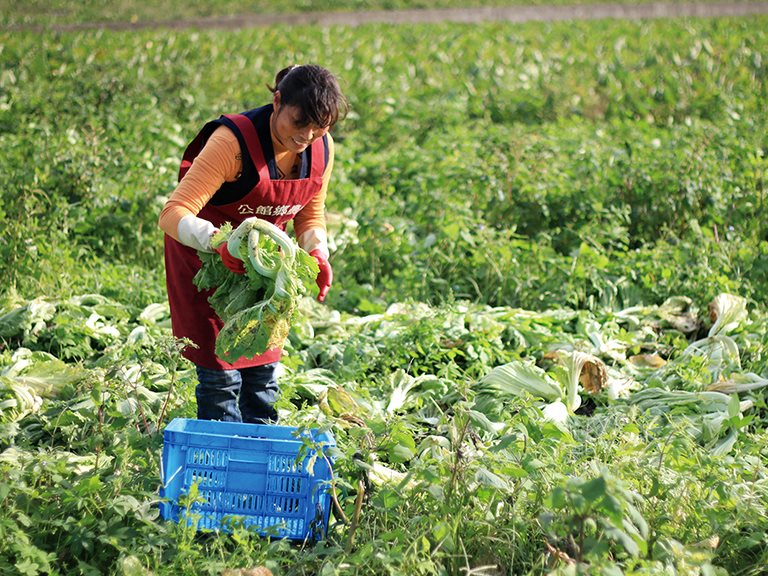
[[334, 496], [356, 515]]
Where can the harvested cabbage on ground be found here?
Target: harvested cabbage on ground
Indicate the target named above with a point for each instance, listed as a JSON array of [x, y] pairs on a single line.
[[257, 307]]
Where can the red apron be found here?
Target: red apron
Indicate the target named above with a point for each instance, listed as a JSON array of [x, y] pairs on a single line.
[[276, 201]]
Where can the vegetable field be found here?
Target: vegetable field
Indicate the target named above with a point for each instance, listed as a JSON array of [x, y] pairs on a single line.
[[546, 346]]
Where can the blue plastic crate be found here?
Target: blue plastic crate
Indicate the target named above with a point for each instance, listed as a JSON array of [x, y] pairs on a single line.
[[245, 473]]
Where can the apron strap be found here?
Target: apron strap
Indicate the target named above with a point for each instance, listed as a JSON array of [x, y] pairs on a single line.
[[251, 138], [318, 158]]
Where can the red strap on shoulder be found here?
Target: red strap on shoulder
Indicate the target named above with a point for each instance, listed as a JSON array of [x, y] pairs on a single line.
[[251, 138], [318, 158]]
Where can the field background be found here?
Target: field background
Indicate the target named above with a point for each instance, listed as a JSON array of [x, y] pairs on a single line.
[[63, 12], [501, 191]]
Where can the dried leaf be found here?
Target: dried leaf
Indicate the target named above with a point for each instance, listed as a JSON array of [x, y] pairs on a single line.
[[647, 360]]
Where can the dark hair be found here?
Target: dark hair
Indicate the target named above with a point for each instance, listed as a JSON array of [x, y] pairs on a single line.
[[314, 90]]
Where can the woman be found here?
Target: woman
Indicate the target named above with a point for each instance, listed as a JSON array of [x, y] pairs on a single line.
[[273, 162]]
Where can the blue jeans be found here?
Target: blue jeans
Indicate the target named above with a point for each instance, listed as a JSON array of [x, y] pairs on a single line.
[[245, 395]]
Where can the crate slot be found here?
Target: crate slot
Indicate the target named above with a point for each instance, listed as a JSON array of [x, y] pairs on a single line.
[[204, 478], [245, 503], [285, 505], [287, 484], [206, 457], [281, 463], [211, 500]]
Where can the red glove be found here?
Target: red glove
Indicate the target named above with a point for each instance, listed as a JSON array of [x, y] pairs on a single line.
[[233, 264], [325, 276]]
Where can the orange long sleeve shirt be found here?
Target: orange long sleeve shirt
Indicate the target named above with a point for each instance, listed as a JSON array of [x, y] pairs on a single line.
[[220, 161]]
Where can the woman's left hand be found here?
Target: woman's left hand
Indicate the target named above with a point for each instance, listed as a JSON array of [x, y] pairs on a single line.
[[325, 276]]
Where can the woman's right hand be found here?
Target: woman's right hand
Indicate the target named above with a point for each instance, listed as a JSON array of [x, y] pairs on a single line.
[[232, 263]]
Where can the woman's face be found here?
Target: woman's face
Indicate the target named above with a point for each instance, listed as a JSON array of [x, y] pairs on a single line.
[[289, 130]]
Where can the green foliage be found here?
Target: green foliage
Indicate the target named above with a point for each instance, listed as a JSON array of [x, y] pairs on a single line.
[[438, 478], [58, 12], [585, 200], [599, 510], [502, 194]]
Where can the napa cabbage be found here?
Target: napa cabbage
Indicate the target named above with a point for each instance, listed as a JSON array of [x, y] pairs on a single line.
[[257, 307]]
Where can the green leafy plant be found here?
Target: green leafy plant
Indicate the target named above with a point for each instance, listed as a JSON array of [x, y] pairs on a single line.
[[597, 514]]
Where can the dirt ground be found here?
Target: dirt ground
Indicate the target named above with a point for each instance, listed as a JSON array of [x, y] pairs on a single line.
[[467, 15]]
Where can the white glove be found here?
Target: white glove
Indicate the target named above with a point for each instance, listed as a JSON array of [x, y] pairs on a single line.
[[196, 233], [315, 239]]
